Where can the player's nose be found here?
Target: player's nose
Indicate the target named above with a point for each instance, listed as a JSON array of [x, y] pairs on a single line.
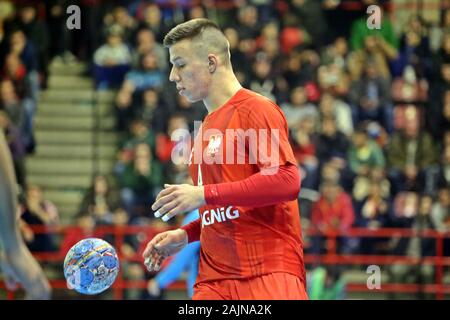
[[174, 76]]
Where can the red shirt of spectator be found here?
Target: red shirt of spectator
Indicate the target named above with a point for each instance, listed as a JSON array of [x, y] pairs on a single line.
[[334, 210]]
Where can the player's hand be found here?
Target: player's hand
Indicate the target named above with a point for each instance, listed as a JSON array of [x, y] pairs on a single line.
[[176, 199], [162, 246]]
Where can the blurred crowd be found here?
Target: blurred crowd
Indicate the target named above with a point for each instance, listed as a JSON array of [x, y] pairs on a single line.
[[368, 110]]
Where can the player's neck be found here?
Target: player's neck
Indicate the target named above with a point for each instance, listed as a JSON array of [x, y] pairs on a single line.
[[222, 91]]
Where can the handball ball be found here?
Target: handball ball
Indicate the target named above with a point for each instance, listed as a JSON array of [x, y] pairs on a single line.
[[91, 266]]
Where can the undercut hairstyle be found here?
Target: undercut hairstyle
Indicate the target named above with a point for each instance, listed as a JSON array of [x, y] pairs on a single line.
[[210, 37], [188, 30]]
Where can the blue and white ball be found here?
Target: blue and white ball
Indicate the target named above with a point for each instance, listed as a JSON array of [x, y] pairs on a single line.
[[91, 266]]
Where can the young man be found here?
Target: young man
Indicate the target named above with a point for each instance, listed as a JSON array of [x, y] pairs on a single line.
[[16, 261], [249, 226]]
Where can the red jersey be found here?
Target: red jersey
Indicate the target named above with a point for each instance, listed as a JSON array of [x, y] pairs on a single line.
[[243, 242]]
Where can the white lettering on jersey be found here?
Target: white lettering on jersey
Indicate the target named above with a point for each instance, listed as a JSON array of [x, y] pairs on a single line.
[[219, 215]]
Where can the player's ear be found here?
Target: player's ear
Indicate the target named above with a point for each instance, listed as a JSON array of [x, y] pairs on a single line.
[[212, 63]]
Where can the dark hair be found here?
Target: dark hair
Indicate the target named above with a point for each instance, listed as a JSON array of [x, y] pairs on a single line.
[[188, 30]]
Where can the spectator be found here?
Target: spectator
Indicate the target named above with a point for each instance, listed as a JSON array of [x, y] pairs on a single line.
[[373, 213], [125, 107], [385, 34], [140, 181], [440, 212], [262, 80], [332, 107], [364, 154], [37, 33], [370, 98], [411, 157], [304, 148], [112, 60], [145, 42], [148, 76], [100, 201], [299, 108], [443, 174], [16, 146], [332, 144], [404, 213], [39, 211], [333, 212], [83, 228], [153, 110], [119, 16]]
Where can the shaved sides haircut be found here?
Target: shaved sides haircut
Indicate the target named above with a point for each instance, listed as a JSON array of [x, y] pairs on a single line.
[[205, 33]]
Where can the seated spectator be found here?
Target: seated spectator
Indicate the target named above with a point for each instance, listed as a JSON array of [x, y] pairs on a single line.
[[153, 110], [140, 133], [414, 49], [140, 181], [119, 16], [332, 212], [443, 173], [165, 143], [364, 154], [145, 42], [386, 34], [148, 76], [440, 212], [333, 73], [100, 201], [262, 79], [332, 144], [304, 148], [377, 52], [38, 211], [373, 212], [16, 146], [404, 213], [20, 112], [112, 60], [11, 104], [15, 70], [191, 111], [411, 157], [299, 108], [409, 89], [370, 98], [125, 107], [84, 228], [330, 106]]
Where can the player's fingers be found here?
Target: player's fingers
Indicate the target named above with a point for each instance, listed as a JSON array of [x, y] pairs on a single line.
[[172, 213], [158, 263], [165, 191], [151, 245], [166, 208], [162, 201]]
